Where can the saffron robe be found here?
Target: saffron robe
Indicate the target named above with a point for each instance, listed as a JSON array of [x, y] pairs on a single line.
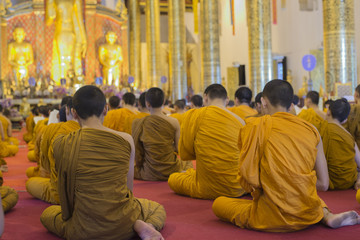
[[312, 117], [155, 158], [42, 187], [9, 196], [339, 149], [353, 123], [30, 124], [243, 111], [121, 120], [178, 116], [210, 136], [34, 144], [278, 155], [6, 125], [83, 159]]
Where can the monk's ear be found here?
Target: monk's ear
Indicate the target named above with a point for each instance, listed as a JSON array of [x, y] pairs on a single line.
[[74, 113], [106, 109], [263, 102], [227, 101]]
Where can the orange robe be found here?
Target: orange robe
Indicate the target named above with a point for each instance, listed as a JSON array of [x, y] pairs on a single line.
[[353, 123], [312, 117], [30, 124], [243, 111], [120, 120], [6, 125], [277, 161], [178, 116], [154, 143], [210, 136], [340, 155]]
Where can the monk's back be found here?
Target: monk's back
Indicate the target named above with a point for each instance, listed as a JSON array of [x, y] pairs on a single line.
[[104, 207]]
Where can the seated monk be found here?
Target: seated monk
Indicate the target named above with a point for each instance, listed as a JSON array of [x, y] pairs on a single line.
[[7, 126], [282, 164], [96, 189], [121, 119], [143, 111], [209, 135], [242, 107], [30, 125], [34, 145], [353, 122], [258, 107], [179, 110], [9, 196], [44, 186], [6, 149], [114, 102], [196, 102], [156, 139], [341, 152], [312, 114]]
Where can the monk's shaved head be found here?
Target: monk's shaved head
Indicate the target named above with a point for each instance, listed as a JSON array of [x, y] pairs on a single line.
[[216, 91], [114, 101], [155, 97], [142, 100], [244, 95], [279, 93], [340, 109], [179, 104], [258, 97], [129, 98], [357, 89], [197, 100], [313, 96], [89, 101]]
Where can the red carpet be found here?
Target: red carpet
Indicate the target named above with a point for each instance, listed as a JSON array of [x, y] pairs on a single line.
[[186, 218]]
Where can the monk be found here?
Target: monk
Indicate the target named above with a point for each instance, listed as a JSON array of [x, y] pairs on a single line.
[[282, 164], [44, 185], [209, 135], [7, 127], [94, 206], [179, 110], [353, 122], [9, 196], [34, 145], [341, 152], [312, 114], [30, 125], [156, 140], [143, 111], [114, 102], [242, 107], [121, 119], [196, 101]]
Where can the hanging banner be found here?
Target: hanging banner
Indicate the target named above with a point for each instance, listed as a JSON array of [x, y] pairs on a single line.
[[196, 16], [283, 3], [274, 12], [232, 15]]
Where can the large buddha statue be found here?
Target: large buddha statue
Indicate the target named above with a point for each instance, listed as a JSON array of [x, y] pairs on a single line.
[[70, 37], [110, 56], [20, 56]]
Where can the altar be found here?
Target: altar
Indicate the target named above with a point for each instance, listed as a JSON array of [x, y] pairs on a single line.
[[49, 48]]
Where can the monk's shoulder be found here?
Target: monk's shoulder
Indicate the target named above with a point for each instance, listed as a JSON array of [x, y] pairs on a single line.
[[237, 117], [173, 121]]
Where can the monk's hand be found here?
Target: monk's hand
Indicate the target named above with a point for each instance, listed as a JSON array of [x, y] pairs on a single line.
[[357, 185]]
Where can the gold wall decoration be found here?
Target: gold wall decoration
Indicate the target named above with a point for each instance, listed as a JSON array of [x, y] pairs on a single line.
[[177, 47], [210, 47], [339, 43], [134, 43], [259, 32], [152, 12]]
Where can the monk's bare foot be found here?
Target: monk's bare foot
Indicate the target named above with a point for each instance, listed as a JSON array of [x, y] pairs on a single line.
[[341, 219], [146, 231]]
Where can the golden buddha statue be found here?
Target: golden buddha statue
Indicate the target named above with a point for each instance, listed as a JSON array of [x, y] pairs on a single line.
[[69, 37], [20, 56], [25, 107], [110, 56]]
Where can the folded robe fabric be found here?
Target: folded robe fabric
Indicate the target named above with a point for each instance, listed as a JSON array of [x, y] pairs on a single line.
[[243, 111], [210, 136], [30, 124], [340, 155], [120, 120], [178, 116], [353, 123], [277, 160], [93, 166], [312, 117], [154, 143]]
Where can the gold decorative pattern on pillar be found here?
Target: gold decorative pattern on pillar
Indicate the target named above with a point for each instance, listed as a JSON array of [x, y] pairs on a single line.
[[152, 10], [259, 31], [339, 43], [134, 44], [177, 47], [210, 47]]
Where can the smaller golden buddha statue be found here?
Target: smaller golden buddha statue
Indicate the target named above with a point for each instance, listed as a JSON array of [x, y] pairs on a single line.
[[20, 56], [25, 107], [110, 56]]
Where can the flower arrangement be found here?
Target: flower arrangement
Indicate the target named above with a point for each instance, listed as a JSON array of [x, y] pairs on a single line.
[[109, 90], [59, 91]]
